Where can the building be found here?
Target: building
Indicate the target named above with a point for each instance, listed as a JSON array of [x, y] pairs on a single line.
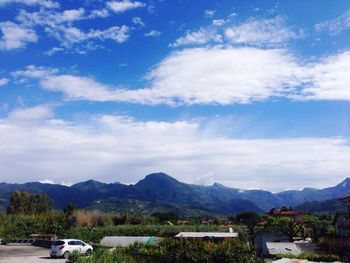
[[287, 212], [125, 241], [207, 235]]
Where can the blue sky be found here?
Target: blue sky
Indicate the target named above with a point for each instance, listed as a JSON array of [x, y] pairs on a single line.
[[250, 94]]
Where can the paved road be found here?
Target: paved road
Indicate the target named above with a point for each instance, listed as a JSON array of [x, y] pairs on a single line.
[[26, 254]]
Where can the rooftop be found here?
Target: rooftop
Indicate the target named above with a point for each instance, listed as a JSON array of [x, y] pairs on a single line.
[[207, 234]]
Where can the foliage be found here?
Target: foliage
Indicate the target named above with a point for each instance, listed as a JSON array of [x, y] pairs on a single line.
[[317, 226], [104, 256], [184, 250], [23, 203], [286, 226], [336, 245], [250, 220], [311, 257], [74, 256]]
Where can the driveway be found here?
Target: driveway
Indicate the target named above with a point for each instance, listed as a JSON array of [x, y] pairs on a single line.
[[24, 254]]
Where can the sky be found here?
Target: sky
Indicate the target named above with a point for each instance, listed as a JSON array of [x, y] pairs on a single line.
[[249, 94]]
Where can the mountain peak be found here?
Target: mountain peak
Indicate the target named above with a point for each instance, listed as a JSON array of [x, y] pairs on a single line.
[[160, 177], [157, 180], [88, 183], [345, 183], [218, 185]]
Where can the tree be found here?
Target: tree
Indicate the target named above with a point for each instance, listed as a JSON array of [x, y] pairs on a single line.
[[23, 203], [250, 220], [287, 226]]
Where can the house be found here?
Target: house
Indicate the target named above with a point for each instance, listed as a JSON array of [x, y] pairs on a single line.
[[287, 212]]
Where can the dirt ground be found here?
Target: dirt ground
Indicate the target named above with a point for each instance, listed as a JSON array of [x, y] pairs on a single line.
[[26, 254]]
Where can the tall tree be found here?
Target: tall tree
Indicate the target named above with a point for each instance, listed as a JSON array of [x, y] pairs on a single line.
[[250, 220], [287, 226], [24, 203]]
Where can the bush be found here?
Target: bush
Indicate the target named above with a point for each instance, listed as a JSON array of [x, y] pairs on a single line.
[[74, 257], [104, 256], [311, 257], [183, 250]]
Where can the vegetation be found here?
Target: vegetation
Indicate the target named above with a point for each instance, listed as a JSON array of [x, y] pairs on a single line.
[[287, 226], [176, 251], [28, 214], [311, 257], [24, 203], [250, 220]]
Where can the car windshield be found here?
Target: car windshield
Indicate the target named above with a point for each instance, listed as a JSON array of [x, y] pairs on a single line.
[[58, 243]]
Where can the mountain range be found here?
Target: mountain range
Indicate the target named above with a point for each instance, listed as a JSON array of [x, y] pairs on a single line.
[[159, 192]]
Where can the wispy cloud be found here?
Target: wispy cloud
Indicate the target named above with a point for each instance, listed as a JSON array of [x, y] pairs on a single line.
[[3, 81], [200, 37], [209, 13], [262, 32], [43, 3], [336, 25], [153, 33], [60, 26], [138, 21], [273, 32]]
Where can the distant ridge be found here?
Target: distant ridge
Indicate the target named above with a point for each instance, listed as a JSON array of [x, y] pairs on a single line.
[[162, 191]]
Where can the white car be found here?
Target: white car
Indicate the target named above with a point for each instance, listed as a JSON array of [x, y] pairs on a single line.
[[63, 247]]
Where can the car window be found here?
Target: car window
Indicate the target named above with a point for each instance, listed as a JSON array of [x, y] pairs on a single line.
[[58, 243], [71, 243], [80, 243]]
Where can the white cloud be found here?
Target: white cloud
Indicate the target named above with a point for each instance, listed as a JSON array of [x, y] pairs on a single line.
[[223, 76], [253, 32], [70, 15], [329, 79], [219, 22], [108, 147], [217, 75], [124, 5], [138, 21], [44, 3], [200, 37], [99, 13], [209, 13], [15, 36], [76, 40], [153, 33], [3, 81], [336, 25], [260, 32], [53, 51], [30, 114], [60, 26]]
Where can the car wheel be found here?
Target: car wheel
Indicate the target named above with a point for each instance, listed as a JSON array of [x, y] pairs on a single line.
[[88, 252], [66, 254]]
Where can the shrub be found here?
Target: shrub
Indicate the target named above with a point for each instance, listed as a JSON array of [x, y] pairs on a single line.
[[311, 257], [184, 250], [104, 256], [74, 257]]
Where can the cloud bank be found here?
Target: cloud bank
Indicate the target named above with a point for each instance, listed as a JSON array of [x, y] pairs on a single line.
[[35, 145], [221, 76]]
